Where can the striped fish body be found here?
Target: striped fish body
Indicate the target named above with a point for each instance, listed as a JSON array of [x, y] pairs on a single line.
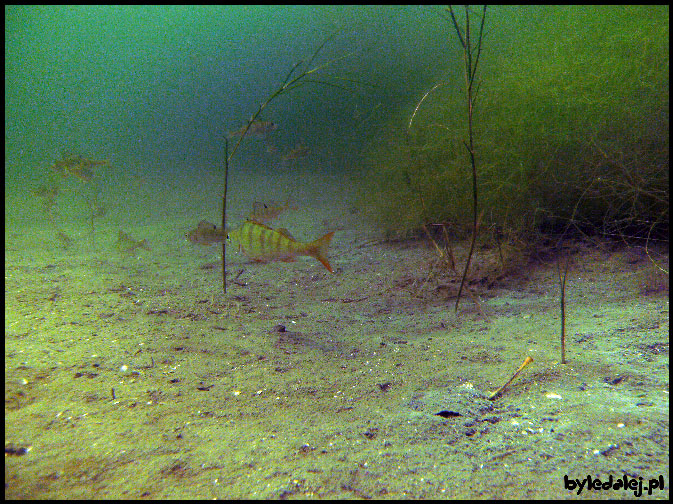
[[263, 212], [261, 243]]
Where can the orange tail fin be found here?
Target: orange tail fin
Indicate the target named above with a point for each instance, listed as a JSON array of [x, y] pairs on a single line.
[[318, 249]]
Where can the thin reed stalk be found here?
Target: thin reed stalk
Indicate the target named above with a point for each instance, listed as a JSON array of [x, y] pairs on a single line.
[[471, 65], [289, 83], [224, 213], [562, 285]]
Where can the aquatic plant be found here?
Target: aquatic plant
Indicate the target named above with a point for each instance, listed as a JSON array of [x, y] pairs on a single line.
[[573, 112], [96, 210], [83, 170], [48, 193], [300, 74], [224, 213], [470, 94], [471, 55], [562, 288]]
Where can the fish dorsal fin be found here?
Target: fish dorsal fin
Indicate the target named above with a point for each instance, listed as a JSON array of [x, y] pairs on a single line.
[[258, 208], [286, 233], [257, 223]]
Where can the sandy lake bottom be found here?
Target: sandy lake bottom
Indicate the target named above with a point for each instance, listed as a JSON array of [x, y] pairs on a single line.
[[134, 376]]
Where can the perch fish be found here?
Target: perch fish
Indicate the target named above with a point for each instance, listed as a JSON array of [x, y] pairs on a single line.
[[299, 151], [262, 243], [263, 212], [207, 233], [257, 129], [80, 167], [127, 244]]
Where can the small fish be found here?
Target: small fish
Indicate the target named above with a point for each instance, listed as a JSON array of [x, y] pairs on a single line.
[[127, 244], [300, 151], [257, 129], [65, 241], [262, 212], [261, 243], [206, 233], [78, 166], [46, 192]]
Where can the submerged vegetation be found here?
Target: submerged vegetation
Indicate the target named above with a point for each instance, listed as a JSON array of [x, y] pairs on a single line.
[[571, 132], [300, 74], [83, 171], [471, 54]]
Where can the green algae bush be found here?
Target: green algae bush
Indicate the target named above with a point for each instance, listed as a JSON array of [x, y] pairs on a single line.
[[571, 131]]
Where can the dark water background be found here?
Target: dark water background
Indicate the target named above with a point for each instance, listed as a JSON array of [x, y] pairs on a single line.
[[158, 86], [155, 89]]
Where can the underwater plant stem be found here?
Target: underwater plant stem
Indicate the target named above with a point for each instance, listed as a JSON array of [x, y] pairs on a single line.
[[418, 106], [470, 73], [647, 242], [562, 285], [92, 204], [224, 214], [93, 232], [290, 83]]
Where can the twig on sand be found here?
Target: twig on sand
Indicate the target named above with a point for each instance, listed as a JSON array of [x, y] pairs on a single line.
[[500, 391]]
